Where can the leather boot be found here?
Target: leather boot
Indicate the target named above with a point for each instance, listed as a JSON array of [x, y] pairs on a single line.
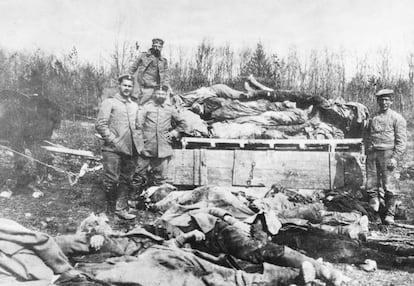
[[390, 205], [110, 202], [110, 190], [373, 199], [121, 204]]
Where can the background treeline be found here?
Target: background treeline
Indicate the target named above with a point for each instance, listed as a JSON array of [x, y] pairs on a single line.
[[78, 85]]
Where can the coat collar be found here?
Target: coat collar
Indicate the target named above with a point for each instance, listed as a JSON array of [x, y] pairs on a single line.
[[122, 98]]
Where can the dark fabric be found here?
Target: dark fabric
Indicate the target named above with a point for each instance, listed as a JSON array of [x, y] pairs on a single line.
[[229, 239], [343, 203], [378, 175], [390, 204], [156, 175], [302, 99], [224, 109], [118, 173]]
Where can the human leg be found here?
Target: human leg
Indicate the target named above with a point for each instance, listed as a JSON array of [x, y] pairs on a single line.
[[224, 91], [372, 183], [231, 241], [186, 260], [127, 168], [389, 184], [358, 229], [295, 259], [140, 176], [159, 168], [111, 167]]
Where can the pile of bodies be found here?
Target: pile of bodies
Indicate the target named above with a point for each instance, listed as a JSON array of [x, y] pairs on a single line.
[[207, 236], [263, 113]]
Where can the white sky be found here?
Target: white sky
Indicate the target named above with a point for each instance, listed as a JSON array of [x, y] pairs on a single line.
[[93, 26]]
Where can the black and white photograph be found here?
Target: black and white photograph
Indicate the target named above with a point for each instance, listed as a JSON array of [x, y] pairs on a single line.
[[206, 143]]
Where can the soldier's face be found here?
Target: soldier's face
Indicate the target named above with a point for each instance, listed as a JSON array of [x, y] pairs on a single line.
[[384, 103], [157, 47], [126, 87], [160, 97]]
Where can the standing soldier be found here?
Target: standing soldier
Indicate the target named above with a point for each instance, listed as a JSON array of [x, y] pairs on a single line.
[[152, 72], [385, 143], [159, 123], [116, 123]]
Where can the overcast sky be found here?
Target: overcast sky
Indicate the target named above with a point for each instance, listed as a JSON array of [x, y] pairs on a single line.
[[93, 26]]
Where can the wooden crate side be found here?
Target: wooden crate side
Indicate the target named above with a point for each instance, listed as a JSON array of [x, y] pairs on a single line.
[[218, 167], [336, 170], [289, 169], [312, 170], [182, 167]]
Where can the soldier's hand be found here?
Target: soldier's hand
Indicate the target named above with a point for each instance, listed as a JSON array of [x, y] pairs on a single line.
[[97, 241], [392, 164], [171, 135], [197, 235]]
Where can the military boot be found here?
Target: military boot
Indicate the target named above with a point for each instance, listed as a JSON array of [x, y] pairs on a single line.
[[110, 202], [121, 203], [373, 199], [390, 205]]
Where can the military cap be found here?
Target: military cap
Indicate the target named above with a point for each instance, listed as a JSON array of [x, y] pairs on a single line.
[[125, 76], [385, 92], [158, 41]]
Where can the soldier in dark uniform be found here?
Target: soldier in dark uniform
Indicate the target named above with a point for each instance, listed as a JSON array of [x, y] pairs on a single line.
[[152, 72]]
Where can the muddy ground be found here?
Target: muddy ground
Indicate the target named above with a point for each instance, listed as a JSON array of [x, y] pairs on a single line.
[[63, 206]]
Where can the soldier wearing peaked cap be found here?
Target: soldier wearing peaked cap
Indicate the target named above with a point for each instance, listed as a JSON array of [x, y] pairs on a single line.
[[126, 77], [117, 124], [152, 72], [385, 143]]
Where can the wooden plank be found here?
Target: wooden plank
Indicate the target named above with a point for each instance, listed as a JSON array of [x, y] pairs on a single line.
[[203, 168], [76, 152], [299, 144], [292, 169], [196, 167], [219, 165], [181, 167], [336, 171], [289, 169]]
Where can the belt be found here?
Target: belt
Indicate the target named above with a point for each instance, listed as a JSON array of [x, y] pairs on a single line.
[[152, 86]]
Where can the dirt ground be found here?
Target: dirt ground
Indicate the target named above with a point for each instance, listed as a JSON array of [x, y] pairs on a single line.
[[63, 206]]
